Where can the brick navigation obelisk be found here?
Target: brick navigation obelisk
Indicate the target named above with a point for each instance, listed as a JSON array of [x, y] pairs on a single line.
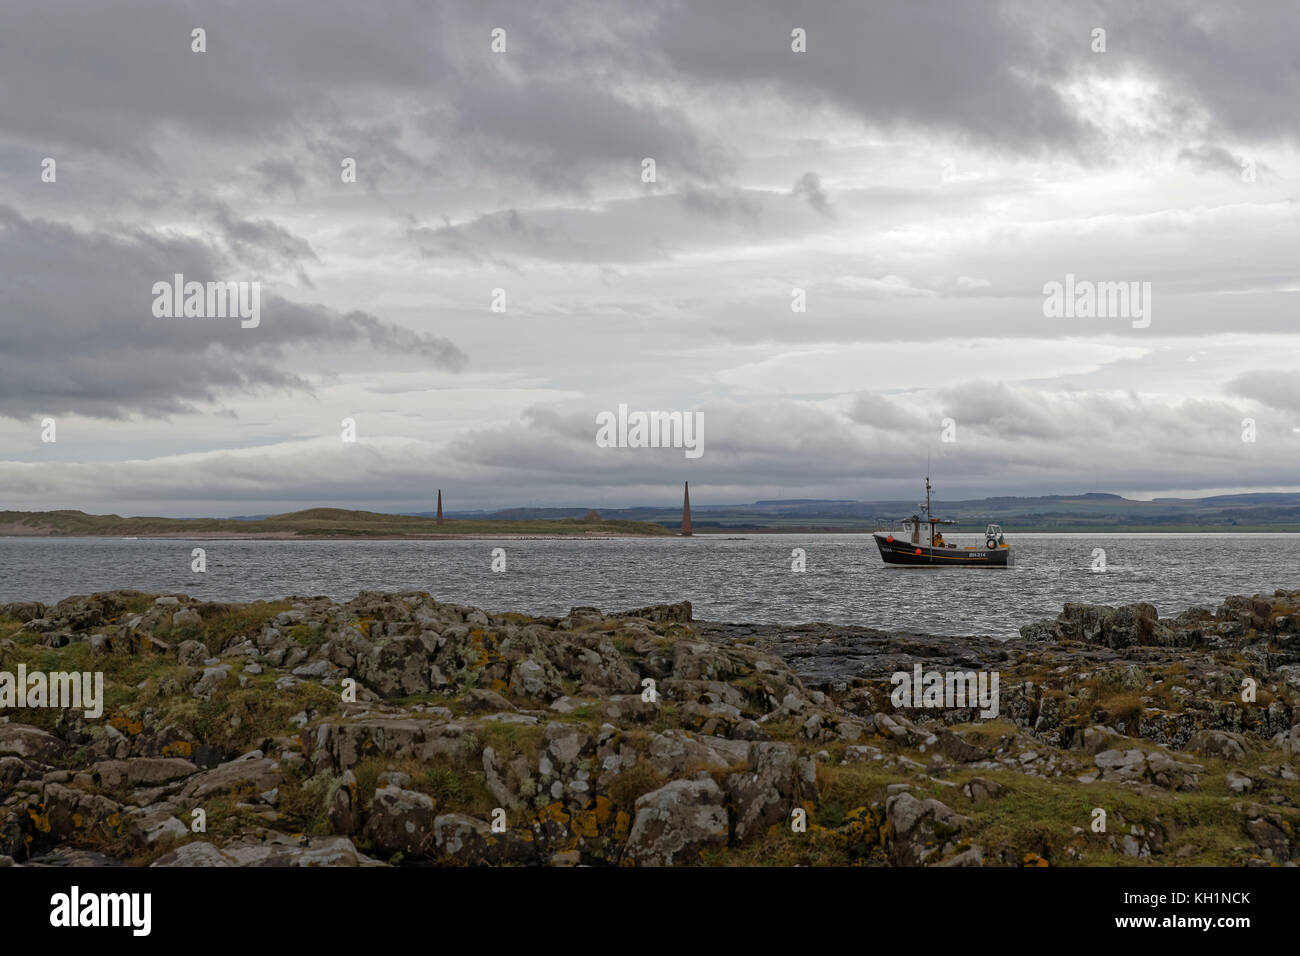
[[439, 506], [686, 512]]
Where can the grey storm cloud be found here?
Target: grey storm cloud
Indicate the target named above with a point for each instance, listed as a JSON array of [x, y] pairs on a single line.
[[1211, 158], [748, 448], [983, 71], [80, 334], [277, 174], [558, 132], [1237, 64], [878, 411], [809, 186], [329, 87], [730, 204], [1215, 159], [488, 237], [259, 242], [1277, 388], [265, 68], [650, 227], [967, 67], [777, 170]]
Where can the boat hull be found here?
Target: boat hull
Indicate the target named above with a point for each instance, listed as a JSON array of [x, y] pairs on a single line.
[[903, 552]]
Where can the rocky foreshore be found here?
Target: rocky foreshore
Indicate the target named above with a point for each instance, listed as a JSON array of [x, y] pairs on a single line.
[[398, 730]]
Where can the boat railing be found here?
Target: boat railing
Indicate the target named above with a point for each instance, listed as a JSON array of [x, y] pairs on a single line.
[[901, 524]]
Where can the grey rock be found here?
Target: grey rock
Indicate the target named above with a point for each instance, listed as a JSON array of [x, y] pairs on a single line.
[[1239, 782], [764, 796], [251, 771], [1219, 743], [401, 821], [191, 653], [187, 617], [197, 853], [29, 742], [676, 822], [920, 828]]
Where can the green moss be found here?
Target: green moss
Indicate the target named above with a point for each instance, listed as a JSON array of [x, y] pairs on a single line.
[[507, 739], [306, 636]]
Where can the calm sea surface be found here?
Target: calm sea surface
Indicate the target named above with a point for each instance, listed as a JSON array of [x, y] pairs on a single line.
[[742, 578]]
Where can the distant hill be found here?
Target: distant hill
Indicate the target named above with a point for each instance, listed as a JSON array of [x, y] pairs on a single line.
[[1089, 511], [314, 522]]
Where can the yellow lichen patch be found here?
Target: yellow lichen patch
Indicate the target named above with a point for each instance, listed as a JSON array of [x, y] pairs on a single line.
[[1033, 859], [863, 827], [819, 835], [126, 724], [585, 824], [562, 828], [77, 820], [500, 686], [553, 813], [622, 825], [40, 818], [178, 748], [480, 640]]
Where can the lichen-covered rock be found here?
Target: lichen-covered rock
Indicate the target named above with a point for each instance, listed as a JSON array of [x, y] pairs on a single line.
[[765, 795], [198, 853], [1272, 833], [674, 751], [679, 613], [462, 715], [955, 747], [1219, 743], [1115, 627], [141, 771], [341, 744], [344, 812], [401, 821], [210, 680], [920, 829], [252, 771], [31, 743], [676, 822], [468, 840], [1122, 765], [275, 849], [191, 653], [74, 814], [979, 790]]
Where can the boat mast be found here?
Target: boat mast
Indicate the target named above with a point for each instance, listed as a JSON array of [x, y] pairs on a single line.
[[929, 516]]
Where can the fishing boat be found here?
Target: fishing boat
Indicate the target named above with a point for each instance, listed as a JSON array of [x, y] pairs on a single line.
[[919, 543]]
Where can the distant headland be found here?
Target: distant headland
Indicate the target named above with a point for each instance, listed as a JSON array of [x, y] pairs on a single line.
[[315, 523]]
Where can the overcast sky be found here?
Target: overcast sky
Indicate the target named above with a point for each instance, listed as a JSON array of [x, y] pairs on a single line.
[[921, 171]]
